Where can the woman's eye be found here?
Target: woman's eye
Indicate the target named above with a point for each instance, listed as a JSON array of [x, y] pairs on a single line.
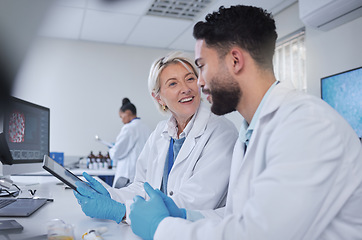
[[191, 79], [172, 84]]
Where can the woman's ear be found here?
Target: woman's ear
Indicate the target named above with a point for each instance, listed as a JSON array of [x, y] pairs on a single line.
[[128, 112], [158, 98], [237, 57]]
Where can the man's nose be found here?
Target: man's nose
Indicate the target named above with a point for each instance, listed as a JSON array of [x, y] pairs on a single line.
[[200, 82]]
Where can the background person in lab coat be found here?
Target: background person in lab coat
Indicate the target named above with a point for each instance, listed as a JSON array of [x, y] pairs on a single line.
[[297, 166], [187, 156], [129, 144]]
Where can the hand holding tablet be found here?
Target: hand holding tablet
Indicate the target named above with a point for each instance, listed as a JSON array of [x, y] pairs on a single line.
[[60, 172]]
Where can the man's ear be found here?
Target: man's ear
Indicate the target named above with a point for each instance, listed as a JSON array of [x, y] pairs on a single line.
[[158, 98], [237, 58]]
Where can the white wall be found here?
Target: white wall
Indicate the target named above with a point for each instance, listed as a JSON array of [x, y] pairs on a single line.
[[331, 52], [83, 83], [327, 53]]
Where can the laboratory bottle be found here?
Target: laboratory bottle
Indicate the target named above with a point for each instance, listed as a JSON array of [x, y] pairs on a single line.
[[99, 159], [92, 164], [108, 161], [90, 158]]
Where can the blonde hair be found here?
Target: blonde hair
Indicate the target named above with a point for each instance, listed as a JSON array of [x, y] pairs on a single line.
[[157, 67]]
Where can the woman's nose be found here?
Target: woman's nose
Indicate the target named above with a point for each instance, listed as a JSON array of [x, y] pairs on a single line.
[[185, 88]]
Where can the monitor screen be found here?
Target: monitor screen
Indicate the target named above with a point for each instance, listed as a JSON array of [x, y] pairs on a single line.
[[343, 91], [25, 131]]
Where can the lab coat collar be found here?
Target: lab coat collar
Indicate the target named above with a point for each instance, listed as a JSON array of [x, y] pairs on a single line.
[[275, 99], [190, 129], [171, 127], [277, 95], [246, 129], [201, 118]]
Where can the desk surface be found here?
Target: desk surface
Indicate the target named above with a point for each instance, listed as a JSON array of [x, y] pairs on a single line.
[[79, 172], [64, 207], [94, 172]]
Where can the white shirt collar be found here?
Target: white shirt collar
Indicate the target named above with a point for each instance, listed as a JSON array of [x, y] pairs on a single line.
[[172, 127], [247, 129]]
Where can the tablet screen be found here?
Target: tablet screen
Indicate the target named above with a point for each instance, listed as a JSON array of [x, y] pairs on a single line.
[[60, 172]]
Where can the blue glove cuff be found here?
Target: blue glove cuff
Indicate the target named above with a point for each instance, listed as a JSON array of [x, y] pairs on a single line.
[[120, 214]]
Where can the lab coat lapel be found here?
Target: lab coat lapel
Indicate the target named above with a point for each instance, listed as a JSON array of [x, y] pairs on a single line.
[[278, 96], [197, 130], [185, 151], [162, 147], [273, 102], [243, 169], [244, 166], [239, 183]]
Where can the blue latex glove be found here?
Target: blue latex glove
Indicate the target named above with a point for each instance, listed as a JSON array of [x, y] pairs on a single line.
[[171, 206], [146, 215], [96, 185], [98, 204]]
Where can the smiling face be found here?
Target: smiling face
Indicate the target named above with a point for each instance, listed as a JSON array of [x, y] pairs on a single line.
[[179, 91]]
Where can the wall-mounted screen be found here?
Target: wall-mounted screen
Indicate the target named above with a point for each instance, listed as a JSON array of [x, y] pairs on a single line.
[[343, 91]]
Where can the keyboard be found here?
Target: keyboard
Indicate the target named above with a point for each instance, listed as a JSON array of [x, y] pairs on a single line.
[[5, 202]]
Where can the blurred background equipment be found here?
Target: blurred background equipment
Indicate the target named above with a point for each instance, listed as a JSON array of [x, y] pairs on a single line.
[[19, 22]]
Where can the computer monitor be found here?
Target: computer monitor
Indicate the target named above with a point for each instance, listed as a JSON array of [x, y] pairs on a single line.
[[24, 136], [343, 91]]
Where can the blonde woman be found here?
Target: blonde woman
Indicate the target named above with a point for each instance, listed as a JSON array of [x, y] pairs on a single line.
[[187, 156]]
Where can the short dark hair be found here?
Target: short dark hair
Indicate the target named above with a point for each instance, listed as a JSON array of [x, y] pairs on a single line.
[[251, 28], [127, 105]]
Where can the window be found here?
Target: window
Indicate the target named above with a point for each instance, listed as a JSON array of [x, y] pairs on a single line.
[[289, 60]]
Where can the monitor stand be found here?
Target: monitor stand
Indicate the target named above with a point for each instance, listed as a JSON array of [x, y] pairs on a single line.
[[5, 181]]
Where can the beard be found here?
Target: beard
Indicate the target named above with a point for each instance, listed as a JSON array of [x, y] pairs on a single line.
[[225, 93]]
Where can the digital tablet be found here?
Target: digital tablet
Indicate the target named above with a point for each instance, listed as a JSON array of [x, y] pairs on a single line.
[[60, 172]]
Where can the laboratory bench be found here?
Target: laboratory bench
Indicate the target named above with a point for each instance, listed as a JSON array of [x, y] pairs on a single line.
[[61, 205], [107, 175]]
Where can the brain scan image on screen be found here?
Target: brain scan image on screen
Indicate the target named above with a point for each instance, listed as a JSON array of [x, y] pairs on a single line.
[[17, 127], [25, 130]]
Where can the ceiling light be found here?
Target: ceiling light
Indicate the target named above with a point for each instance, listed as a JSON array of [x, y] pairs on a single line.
[[186, 9]]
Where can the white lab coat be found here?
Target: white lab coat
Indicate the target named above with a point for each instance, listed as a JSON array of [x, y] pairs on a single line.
[[129, 144], [299, 179], [199, 176]]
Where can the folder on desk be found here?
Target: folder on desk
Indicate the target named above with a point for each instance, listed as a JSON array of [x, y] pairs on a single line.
[[20, 207]]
